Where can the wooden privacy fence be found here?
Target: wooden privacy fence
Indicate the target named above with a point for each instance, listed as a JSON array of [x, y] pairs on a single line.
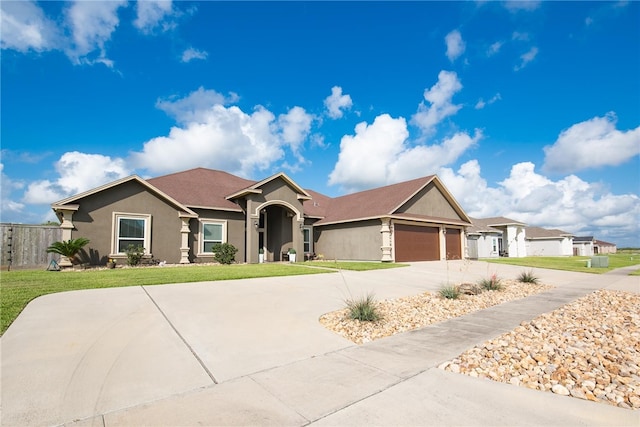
[[25, 246]]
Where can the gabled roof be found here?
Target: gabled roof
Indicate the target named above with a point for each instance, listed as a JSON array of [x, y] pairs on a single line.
[[385, 201], [158, 191], [534, 233], [317, 206], [202, 188], [487, 225], [255, 187], [603, 243], [583, 239]]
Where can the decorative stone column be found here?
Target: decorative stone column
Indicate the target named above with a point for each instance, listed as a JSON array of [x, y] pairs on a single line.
[[65, 214], [386, 247], [443, 242], [184, 233]]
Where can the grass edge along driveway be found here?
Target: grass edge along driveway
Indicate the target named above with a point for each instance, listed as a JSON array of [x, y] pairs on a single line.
[[19, 287], [573, 263]]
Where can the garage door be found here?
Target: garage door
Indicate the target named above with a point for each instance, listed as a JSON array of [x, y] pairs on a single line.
[[413, 243], [454, 247]]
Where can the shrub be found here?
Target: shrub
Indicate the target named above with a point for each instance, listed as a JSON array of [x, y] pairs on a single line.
[[292, 251], [68, 248], [225, 253], [493, 283], [528, 277], [449, 292], [363, 309], [134, 254]]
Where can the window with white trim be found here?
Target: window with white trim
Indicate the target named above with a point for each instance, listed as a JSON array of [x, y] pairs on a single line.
[[131, 229], [212, 232], [307, 240]]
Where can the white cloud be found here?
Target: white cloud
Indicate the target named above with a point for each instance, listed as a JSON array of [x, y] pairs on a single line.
[[223, 138], [455, 45], [151, 14], [481, 103], [379, 154], [336, 103], [523, 37], [522, 5], [25, 27], [92, 23], [570, 204], [77, 172], [591, 144], [295, 127], [494, 48], [190, 54], [439, 97], [195, 106], [526, 58], [7, 186]]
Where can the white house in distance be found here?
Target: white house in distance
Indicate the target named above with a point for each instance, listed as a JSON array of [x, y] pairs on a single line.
[[584, 246], [495, 237], [602, 247], [548, 242]]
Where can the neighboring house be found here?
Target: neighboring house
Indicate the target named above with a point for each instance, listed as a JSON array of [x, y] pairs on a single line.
[[583, 246], [545, 242], [495, 237], [179, 217], [602, 247]]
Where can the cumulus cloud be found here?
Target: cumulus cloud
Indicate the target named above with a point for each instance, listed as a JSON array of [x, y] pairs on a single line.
[[25, 27], [92, 24], [195, 106], [439, 97], [7, 186], [336, 103], [455, 45], [77, 172], [153, 14], [295, 127], [590, 144], [190, 54], [380, 154], [526, 58], [570, 204]]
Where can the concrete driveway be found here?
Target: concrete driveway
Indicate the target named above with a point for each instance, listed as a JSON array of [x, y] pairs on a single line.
[[252, 352]]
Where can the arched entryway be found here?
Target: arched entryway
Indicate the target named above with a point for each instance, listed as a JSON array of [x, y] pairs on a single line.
[[277, 228]]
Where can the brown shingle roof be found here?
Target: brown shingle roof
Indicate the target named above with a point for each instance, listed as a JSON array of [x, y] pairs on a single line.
[[486, 225], [373, 203], [541, 233], [202, 187]]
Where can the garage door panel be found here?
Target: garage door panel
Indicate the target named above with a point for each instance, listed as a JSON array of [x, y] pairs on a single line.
[[454, 247], [416, 243]]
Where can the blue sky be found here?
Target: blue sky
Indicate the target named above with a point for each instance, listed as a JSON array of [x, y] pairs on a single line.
[[529, 110]]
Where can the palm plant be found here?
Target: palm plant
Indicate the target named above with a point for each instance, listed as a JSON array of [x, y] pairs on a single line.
[[69, 248]]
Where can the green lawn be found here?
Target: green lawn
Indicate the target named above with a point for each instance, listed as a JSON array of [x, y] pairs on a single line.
[[356, 266], [19, 287], [573, 263]]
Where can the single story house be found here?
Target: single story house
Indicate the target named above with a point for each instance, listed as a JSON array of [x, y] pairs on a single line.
[[602, 247], [178, 218], [548, 242], [496, 237], [583, 246]]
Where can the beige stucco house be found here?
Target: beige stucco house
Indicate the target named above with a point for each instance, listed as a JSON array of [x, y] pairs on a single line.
[[178, 217], [495, 237], [548, 242]]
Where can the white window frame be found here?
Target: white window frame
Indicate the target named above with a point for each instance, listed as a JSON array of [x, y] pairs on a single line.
[[310, 229], [115, 234], [201, 241]]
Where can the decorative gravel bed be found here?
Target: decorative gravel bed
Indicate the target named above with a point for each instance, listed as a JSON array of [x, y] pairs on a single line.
[[404, 314], [588, 349]]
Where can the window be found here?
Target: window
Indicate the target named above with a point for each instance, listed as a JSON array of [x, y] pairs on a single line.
[[307, 240], [210, 234], [131, 229]]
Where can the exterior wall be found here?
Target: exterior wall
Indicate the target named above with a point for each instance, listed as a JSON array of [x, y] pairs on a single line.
[[351, 241], [235, 222], [583, 248], [606, 249], [515, 243], [94, 220], [486, 245], [430, 202], [546, 247]]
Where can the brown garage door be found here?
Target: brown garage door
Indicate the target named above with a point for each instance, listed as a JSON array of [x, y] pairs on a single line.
[[454, 248], [414, 243]]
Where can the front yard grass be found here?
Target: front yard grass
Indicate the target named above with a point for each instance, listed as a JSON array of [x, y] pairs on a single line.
[[355, 265], [573, 263]]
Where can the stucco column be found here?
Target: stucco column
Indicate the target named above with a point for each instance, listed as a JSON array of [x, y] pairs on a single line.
[[65, 213], [385, 230], [184, 245], [296, 234], [443, 242]]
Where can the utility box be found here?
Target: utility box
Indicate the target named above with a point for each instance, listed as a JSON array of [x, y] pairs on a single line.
[[599, 261]]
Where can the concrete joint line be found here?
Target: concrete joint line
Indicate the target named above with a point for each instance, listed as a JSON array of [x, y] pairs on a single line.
[[200, 361]]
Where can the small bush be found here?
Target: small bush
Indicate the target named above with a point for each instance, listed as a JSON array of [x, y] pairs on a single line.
[[449, 292], [225, 253], [528, 277], [493, 283], [134, 254], [363, 309]]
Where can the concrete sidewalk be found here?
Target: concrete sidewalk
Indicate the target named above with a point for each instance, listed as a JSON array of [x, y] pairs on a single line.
[[252, 352]]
